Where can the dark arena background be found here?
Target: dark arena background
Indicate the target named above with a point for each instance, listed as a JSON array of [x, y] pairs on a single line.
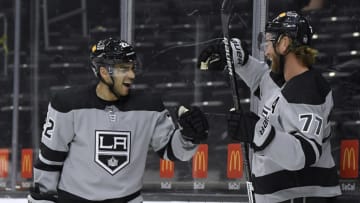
[[44, 47]]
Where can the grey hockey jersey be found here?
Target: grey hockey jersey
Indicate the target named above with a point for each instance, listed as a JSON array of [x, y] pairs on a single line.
[[97, 149], [298, 162]]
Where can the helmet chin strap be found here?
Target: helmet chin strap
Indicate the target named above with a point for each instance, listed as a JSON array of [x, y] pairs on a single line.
[[281, 56], [112, 88], [281, 64], [110, 85]]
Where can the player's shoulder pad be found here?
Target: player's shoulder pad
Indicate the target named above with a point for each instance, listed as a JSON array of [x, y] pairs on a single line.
[[71, 98], [145, 101], [309, 87]]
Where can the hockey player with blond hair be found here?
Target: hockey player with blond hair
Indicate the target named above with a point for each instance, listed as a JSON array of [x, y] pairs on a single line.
[[290, 132]]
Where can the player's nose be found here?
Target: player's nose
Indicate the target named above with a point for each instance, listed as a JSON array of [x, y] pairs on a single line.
[[131, 74]]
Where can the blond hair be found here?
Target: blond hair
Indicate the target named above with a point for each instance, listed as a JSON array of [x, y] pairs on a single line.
[[305, 54]]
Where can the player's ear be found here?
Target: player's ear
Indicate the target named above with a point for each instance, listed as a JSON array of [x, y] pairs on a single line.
[[284, 44], [103, 72]]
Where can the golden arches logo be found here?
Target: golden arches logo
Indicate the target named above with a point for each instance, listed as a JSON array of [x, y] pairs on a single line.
[[166, 165], [349, 158], [26, 163], [235, 161], [199, 161], [3, 165]]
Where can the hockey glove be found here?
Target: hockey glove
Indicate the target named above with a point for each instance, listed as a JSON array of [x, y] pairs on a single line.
[[241, 125], [239, 52], [36, 197], [247, 127], [212, 58], [194, 124]]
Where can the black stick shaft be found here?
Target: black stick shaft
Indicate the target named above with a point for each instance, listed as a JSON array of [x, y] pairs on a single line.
[[225, 19]]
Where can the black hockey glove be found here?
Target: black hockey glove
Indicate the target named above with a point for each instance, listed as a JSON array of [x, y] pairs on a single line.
[[239, 52], [212, 58], [247, 127], [241, 125], [194, 124], [36, 197]]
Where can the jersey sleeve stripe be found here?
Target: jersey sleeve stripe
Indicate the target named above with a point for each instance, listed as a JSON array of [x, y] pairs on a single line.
[[42, 159], [309, 151], [52, 155], [281, 180], [45, 167], [169, 151], [257, 92]]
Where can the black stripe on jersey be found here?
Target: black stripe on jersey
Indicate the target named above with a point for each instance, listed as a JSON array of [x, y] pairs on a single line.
[[45, 167], [84, 97], [52, 155], [169, 150], [277, 78], [68, 197], [257, 92], [309, 151], [307, 88], [170, 153], [161, 152], [309, 176]]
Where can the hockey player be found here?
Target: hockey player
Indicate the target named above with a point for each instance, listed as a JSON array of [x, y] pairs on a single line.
[[96, 138], [290, 134]]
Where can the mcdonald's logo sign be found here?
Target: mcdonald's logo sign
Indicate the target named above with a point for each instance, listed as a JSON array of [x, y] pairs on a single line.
[[200, 162], [234, 161], [166, 168], [4, 163], [349, 159], [26, 163]]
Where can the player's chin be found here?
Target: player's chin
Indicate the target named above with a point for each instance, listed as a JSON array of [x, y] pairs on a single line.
[[124, 90]]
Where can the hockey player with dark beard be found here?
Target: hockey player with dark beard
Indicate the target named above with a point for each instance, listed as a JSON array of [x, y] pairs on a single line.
[[96, 137], [290, 131]]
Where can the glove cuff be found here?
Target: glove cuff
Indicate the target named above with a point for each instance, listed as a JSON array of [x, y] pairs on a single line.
[[240, 54], [263, 134], [193, 124]]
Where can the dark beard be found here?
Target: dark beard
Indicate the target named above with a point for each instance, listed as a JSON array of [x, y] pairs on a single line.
[[275, 64]]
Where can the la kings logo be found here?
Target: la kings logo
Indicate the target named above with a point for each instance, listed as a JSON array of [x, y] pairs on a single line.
[[112, 150]]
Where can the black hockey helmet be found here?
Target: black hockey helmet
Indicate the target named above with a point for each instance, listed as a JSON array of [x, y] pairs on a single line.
[[293, 25], [110, 52]]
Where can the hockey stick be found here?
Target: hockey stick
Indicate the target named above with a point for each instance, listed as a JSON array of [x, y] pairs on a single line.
[[225, 19]]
